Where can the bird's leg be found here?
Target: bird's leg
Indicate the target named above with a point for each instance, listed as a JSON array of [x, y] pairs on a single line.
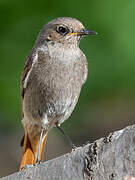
[[39, 147], [67, 137]]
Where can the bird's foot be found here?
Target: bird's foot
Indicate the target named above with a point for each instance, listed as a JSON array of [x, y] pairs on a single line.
[[27, 166], [74, 148], [31, 165]]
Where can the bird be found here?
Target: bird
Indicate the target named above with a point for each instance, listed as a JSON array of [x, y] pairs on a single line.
[[51, 81]]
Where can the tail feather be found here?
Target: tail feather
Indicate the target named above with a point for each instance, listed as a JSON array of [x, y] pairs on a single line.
[[30, 150]]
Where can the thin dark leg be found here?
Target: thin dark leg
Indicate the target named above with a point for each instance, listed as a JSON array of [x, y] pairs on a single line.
[[66, 136]]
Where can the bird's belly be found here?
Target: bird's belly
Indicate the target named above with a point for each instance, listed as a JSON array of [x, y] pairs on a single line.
[[58, 108], [61, 110], [52, 100], [49, 113]]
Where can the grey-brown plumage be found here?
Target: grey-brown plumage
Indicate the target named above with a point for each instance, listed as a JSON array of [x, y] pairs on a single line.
[[53, 75]]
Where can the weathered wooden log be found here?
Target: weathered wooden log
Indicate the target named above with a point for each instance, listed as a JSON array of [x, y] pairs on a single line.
[[109, 158]]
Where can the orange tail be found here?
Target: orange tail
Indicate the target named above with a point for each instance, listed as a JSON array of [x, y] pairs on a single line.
[[30, 150]]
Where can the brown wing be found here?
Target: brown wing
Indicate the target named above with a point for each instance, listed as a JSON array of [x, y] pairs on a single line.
[[27, 67]]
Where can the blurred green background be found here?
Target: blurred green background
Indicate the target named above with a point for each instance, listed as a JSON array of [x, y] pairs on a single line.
[[107, 100]]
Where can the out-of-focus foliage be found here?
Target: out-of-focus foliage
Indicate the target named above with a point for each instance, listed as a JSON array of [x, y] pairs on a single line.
[[111, 54]]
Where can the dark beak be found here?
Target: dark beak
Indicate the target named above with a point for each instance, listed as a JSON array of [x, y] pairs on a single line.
[[83, 32], [87, 32]]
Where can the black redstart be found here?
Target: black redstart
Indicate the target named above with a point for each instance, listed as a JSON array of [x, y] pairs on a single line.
[[52, 78]]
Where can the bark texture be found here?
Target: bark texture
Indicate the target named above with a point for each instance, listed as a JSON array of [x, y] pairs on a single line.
[[109, 158]]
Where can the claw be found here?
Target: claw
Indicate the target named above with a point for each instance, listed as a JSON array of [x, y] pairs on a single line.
[[37, 163]]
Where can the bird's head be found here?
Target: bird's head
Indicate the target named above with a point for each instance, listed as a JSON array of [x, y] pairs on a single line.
[[64, 30]]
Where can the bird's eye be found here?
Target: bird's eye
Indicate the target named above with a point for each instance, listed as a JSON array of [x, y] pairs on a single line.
[[62, 30]]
